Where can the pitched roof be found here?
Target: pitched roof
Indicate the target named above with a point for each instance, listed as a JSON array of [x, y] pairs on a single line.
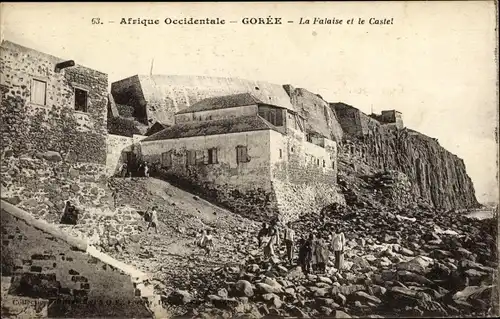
[[225, 126], [222, 102], [155, 128]]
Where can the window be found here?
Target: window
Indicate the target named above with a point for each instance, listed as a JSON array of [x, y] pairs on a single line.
[[200, 157], [242, 154], [166, 159], [81, 97], [317, 161], [281, 153], [212, 156], [39, 92], [272, 115], [309, 138], [324, 163], [191, 157]]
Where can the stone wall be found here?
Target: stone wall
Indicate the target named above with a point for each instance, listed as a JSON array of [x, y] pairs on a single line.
[[63, 274], [51, 153], [129, 92], [304, 178], [28, 128], [245, 188], [354, 122], [168, 94], [115, 147]]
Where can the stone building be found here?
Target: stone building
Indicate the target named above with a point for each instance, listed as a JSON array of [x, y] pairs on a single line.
[[53, 122], [247, 154], [156, 98], [353, 121], [151, 99], [356, 123], [391, 118]]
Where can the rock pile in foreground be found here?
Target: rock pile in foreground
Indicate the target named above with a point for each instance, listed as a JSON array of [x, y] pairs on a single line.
[[406, 263]]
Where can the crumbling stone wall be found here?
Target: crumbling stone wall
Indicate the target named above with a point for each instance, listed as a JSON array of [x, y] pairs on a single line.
[[44, 265], [45, 146], [129, 92]]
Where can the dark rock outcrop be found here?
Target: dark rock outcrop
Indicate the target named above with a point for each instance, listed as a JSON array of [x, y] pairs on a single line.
[[436, 177]]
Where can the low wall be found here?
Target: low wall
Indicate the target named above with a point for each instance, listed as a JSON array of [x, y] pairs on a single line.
[[75, 280], [116, 145], [294, 200]]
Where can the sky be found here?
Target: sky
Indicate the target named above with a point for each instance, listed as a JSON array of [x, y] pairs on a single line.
[[435, 63]]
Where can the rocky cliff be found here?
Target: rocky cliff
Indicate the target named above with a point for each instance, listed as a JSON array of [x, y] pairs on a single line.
[[431, 175], [320, 118]]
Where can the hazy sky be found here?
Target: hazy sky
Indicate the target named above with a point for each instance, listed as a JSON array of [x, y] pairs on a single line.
[[436, 63]]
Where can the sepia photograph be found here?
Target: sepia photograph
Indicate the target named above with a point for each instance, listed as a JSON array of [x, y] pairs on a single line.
[[249, 159]]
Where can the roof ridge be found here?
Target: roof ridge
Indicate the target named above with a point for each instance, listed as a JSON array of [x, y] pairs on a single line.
[[249, 122]]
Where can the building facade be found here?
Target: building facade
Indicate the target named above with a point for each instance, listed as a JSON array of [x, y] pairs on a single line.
[[353, 121], [358, 124], [53, 115], [245, 154]]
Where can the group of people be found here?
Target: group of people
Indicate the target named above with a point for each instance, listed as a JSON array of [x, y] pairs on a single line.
[[313, 252], [142, 170]]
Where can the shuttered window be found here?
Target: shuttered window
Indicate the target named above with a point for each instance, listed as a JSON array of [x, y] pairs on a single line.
[[39, 92], [191, 157], [272, 115], [241, 154], [212, 156], [166, 159], [279, 118], [200, 158]]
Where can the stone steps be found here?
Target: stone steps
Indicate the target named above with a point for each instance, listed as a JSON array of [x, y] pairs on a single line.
[[144, 287]]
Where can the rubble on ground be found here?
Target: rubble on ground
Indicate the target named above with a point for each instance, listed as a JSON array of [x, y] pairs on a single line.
[[398, 263]]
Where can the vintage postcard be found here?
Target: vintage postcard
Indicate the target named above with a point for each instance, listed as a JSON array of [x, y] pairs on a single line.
[[249, 160]]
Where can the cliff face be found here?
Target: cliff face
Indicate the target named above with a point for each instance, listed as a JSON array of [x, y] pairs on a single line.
[[436, 177], [319, 116]]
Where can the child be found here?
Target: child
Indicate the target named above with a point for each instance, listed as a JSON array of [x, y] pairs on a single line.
[[153, 219]]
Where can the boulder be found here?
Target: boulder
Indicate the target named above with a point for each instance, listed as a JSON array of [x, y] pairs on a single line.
[[364, 297], [52, 156], [341, 314], [180, 297], [264, 288], [243, 288]]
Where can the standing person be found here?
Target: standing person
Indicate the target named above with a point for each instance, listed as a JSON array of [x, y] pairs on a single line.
[[338, 248], [114, 194], [153, 222], [208, 242], [273, 238], [146, 169], [263, 232], [289, 240], [321, 255], [140, 169], [303, 254], [307, 254], [123, 170]]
